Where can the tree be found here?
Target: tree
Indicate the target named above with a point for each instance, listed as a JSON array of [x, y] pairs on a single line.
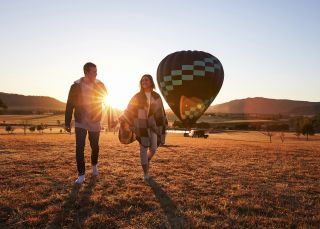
[[269, 134], [307, 128], [40, 128], [298, 126], [282, 136], [9, 129], [32, 128], [3, 105], [25, 124], [267, 130], [316, 120], [203, 125]]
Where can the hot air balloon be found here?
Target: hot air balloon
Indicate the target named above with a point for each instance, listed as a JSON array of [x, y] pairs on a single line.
[[189, 81]]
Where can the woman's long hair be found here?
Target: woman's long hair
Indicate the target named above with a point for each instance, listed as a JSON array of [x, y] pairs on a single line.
[[143, 97], [150, 78]]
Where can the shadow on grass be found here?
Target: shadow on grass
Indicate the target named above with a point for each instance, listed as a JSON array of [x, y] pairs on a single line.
[[170, 147], [88, 190], [175, 218], [6, 213], [242, 140], [72, 205]]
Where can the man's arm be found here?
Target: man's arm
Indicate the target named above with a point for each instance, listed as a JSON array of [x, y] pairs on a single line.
[[69, 109]]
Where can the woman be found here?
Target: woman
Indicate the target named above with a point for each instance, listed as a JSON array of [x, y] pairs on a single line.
[[145, 116]]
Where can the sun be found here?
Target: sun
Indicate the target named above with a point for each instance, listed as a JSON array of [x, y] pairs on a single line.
[[109, 101], [117, 99]]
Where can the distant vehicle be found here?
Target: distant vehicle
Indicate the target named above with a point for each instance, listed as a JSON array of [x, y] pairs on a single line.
[[196, 134]]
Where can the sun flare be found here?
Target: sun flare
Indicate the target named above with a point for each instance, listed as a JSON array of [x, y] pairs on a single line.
[[110, 101]]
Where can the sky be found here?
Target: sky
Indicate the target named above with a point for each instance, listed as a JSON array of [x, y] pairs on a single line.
[[267, 48]]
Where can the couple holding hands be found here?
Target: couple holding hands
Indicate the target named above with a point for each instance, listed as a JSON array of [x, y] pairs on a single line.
[[144, 117]]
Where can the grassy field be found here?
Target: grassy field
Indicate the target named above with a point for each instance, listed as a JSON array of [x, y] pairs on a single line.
[[32, 119], [234, 179], [52, 119]]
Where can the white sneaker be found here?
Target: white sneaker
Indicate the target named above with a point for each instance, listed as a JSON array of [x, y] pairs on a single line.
[[80, 179], [95, 170], [146, 177]]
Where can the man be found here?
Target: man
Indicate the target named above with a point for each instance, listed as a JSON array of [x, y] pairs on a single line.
[[86, 97]]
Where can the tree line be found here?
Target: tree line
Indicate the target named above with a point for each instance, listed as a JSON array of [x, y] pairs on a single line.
[[301, 125]]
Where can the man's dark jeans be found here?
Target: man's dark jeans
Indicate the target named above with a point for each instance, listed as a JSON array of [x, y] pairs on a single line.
[[81, 135]]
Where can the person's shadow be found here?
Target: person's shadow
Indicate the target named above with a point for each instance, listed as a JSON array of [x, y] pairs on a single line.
[[71, 203], [171, 148], [176, 219]]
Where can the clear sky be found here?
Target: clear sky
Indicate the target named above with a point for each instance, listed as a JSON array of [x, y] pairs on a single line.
[[267, 48]]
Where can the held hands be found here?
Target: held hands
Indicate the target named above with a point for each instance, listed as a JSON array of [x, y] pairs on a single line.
[[124, 123], [126, 126], [113, 124]]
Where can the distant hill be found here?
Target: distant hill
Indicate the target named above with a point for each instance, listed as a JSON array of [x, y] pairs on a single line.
[[259, 105], [22, 102]]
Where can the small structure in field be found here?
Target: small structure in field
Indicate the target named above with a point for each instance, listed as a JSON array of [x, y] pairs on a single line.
[[196, 134]]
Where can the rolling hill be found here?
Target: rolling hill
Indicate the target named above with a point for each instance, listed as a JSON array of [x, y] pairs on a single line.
[[259, 105], [22, 102], [256, 105]]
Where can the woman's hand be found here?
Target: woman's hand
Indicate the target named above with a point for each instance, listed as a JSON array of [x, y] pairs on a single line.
[[126, 126]]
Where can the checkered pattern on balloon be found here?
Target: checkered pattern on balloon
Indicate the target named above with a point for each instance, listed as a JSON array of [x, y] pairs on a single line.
[[190, 81]]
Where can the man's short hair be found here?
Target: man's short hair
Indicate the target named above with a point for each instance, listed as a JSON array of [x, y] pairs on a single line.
[[87, 67]]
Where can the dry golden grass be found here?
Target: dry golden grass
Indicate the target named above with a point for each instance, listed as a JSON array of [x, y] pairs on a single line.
[[228, 180]]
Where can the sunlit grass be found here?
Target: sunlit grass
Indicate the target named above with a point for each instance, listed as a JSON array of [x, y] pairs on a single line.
[[234, 179]]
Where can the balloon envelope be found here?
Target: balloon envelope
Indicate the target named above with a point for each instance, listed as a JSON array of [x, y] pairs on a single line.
[[189, 81]]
